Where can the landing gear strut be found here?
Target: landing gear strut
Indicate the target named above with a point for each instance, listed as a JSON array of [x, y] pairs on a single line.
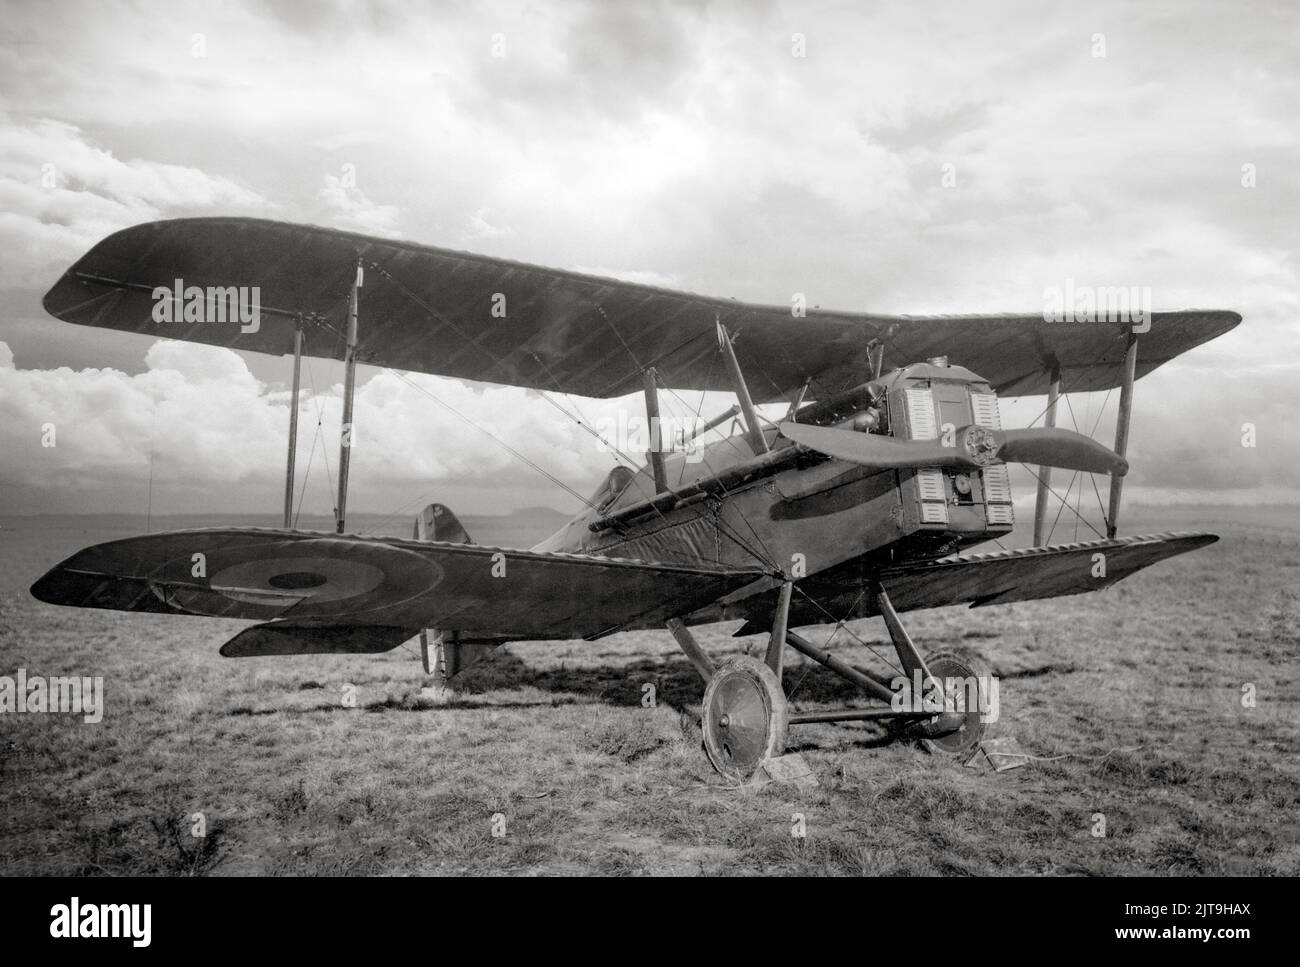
[[745, 717]]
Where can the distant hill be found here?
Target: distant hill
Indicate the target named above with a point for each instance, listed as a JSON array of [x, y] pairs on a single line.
[[520, 528]]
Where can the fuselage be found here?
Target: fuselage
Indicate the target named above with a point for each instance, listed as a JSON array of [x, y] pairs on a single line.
[[801, 514]]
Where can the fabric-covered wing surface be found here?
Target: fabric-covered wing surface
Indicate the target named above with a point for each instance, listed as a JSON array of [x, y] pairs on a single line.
[[321, 580], [1028, 574], [430, 310], [998, 577]]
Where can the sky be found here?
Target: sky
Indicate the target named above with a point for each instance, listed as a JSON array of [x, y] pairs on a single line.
[[890, 157]]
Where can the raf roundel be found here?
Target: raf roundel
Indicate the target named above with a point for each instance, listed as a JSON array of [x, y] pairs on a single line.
[[298, 578]]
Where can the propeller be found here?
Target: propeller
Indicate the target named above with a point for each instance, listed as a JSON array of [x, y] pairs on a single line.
[[973, 447]]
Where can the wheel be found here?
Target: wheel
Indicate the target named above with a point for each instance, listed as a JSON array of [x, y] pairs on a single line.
[[744, 717], [974, 681]]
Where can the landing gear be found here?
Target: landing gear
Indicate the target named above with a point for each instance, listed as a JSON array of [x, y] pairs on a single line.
[[744, 717], [958, 733]]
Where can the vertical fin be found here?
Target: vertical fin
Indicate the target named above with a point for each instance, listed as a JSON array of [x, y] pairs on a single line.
[[444, 653]]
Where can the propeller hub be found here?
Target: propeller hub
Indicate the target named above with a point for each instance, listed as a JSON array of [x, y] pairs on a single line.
[[980, 445]]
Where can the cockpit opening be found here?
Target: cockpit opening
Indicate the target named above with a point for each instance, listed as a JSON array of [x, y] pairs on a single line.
[[613, 485]]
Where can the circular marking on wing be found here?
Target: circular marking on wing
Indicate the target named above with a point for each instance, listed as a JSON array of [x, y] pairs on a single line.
[[297, 580], [317, 578]]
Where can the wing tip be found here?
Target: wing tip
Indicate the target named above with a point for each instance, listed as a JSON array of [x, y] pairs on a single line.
[[46, 588]]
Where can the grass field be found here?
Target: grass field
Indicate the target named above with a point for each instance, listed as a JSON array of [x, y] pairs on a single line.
[[1131, 699]]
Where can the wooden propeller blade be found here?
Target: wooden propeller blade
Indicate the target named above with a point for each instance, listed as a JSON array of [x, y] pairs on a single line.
[[875, 450], [974, 447], [1054, 447]]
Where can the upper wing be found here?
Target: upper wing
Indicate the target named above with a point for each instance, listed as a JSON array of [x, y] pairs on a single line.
[[431, 310], [324, 581], [998, 577]]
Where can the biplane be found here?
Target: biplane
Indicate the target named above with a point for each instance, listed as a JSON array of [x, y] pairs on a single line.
[[864, 499]]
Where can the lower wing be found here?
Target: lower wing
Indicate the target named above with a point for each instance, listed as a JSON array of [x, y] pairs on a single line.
[[1027, 574], [997, 577], [325, 593]]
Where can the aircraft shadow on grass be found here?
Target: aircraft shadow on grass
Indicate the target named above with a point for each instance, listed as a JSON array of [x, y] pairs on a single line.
[[622, 685]]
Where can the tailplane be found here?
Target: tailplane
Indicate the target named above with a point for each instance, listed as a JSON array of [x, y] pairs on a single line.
[[447, 653]]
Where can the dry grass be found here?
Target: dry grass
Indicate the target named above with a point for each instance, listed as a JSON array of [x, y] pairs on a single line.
[[552, 743]]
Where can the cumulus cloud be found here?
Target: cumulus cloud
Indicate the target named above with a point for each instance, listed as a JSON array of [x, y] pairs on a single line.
[[211, 435], [481, 226], [347, 206], [60, 192]]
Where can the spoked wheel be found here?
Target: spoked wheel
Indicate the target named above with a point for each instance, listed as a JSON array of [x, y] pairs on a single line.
[[972, 679], [744, 717]]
